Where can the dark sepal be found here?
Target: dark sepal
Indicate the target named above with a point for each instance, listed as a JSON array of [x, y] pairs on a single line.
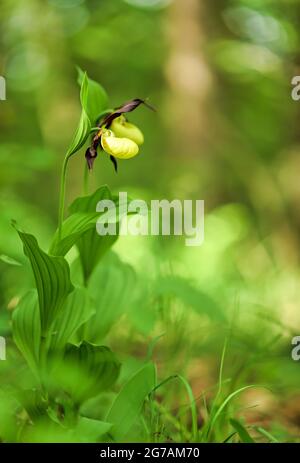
[[90, 156], [125, 108], [114, 161]]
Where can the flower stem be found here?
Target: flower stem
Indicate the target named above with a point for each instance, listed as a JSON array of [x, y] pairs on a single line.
[[44, 346], [62, 195], [86, 180]]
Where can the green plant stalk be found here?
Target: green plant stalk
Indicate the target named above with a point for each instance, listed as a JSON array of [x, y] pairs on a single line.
[[193, 407], [205, 432], [221, 408], [43, 363], [86, 180], [62, 194], [221, 370]]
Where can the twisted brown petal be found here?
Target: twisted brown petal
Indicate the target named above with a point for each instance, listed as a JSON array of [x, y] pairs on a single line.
[[125, 108], [90, 156]]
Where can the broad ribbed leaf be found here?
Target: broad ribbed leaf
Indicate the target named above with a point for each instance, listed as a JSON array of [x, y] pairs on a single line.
[[77, 225], [89, 203], [73, 227], [77, 309], [97, 99], [111, 286], [86, 370], [84, 127], [52, 278], [91, 246], [80, 229], [128, 403], [27, 328], [32, 401]]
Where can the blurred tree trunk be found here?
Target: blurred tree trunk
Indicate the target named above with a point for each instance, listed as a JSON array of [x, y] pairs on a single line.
[[188, 77]]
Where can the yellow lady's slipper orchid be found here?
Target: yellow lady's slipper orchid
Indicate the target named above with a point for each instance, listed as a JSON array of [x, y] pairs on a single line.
[[121, 148], [123, 140], [124, 129]]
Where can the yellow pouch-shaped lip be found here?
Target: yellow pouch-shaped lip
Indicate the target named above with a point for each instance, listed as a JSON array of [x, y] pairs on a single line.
[[121, 148], [124, 129]]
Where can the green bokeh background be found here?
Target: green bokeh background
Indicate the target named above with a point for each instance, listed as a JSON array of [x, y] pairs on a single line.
[[225, 130]]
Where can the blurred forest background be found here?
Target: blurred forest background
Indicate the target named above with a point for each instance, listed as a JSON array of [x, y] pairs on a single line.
[[226, 131]]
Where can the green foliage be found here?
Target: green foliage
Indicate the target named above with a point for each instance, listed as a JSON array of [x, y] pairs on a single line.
[[52, 278], [111, 286], [84, 370], [242, 432], [97, 99], [9, 260], [88, 430], [191, 296], [91, 246], [8, 409], [80, 229], [85, 294], [128, 403], [218, 410], [77, 310], [72, 229], [27, 328], [84, 127]]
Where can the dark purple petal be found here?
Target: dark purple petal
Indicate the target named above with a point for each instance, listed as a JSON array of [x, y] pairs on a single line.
[[129, 105], [114, 161], [91, 152], [125, 108], [108, 120], [90, 156]]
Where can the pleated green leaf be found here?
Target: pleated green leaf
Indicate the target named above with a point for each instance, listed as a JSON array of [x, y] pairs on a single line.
[[111, 286], [26, 327], [73, 227], [97, 100], [84, 126], [52, 278], [89, 203], [86, 370], [91, 246], [80, 229], [77, 309]]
